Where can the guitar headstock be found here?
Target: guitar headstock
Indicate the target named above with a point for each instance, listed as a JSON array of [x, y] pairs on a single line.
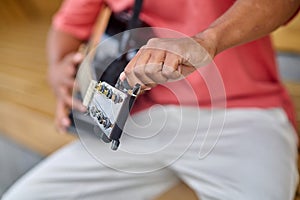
[[109, 107]]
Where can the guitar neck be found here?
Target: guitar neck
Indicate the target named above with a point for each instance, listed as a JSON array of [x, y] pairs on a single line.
[[86, 72]]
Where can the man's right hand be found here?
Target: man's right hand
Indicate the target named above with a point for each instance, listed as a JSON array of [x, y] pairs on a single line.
[[61, 77]]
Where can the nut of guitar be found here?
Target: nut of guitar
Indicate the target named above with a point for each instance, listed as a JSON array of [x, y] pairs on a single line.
[[89, 93]]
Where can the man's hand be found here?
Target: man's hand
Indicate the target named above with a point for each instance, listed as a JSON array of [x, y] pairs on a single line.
[[62, 78], [162, 60]]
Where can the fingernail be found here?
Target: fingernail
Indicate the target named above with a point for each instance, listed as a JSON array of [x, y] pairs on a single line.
[[78, 56], [65, 122], [122, 76]]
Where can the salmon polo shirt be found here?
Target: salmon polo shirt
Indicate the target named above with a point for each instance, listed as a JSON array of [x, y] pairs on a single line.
[[241, 77]]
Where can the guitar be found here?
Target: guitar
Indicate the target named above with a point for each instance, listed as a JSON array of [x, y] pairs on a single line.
[[107, 99]]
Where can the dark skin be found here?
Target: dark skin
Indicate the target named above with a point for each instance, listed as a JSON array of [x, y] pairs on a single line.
[[245, 21], [161, 59], [63, 60]]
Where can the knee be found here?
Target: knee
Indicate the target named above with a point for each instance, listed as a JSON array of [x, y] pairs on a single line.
[[20, 191], [9, 195]]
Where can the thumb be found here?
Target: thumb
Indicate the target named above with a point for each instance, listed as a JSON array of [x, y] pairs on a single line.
[[77, 58]]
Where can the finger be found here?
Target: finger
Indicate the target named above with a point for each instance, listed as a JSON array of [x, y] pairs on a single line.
[[68, 82], [71, 63], [78, 57], [72, 102], [61, 117], [170, 67], [74, 58], [153, 69], [122, 76], [71, 70], [77, 105], [139, 68], [65, 95], [185, 70], [129, 72], [76, 86]]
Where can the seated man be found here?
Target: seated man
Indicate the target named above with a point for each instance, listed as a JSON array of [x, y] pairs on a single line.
[[255, 155]]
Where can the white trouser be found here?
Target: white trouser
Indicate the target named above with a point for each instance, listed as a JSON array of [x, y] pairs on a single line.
[[249, 156]]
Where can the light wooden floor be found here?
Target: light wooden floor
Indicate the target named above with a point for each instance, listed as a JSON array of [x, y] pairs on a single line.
[[287, 38], [26, 102]]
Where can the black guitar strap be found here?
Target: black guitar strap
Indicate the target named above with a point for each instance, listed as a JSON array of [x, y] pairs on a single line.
[[134, 22], [110, 74]]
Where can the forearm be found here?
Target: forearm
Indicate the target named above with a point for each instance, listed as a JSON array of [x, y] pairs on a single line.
[[59, 44], [247, 20]]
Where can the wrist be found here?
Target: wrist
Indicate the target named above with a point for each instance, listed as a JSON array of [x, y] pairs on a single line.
[[209, 41]]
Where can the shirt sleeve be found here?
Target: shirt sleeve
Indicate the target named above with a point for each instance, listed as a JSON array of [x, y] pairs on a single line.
[[77, 17]]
